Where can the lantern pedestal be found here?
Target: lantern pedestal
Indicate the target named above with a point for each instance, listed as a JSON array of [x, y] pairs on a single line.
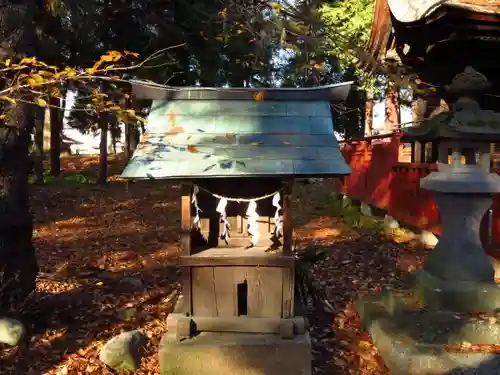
[[459, 255], [458, 274]]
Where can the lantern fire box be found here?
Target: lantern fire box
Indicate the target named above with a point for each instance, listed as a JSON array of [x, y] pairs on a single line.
[[236, 153]]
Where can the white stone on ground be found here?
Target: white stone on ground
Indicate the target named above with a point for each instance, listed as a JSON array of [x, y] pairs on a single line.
[[125, 351], [428, 239], [11, 331]]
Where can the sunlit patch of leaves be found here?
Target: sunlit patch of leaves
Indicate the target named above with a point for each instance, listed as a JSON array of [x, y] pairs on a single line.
[[342, 263], [352, 215]]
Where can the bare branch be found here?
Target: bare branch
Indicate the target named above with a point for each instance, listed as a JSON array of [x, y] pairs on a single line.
[[149, 58]]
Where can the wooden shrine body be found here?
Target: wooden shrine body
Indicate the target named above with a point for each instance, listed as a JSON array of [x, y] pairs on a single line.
[[231, 286], [237, 314]]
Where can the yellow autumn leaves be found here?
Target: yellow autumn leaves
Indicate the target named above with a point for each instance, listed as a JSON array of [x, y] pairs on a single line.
[[42, 81], [110, 56], [276, 7]]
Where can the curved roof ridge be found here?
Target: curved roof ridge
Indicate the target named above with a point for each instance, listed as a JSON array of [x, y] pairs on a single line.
[[179, 88], [408, 11], [151, 90]]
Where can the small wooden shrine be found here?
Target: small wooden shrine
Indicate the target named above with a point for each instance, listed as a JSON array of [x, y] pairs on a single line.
[[237, 153]]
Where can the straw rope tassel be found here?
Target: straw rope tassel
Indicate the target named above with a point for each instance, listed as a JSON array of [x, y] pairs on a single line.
[[278, 231], [194, 202], [253, 226], [221, 209]]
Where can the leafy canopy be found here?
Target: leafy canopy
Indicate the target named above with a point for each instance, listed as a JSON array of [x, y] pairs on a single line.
[[347, 27]]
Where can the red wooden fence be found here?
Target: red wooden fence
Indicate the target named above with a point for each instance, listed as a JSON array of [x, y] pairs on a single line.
[[380, 179]]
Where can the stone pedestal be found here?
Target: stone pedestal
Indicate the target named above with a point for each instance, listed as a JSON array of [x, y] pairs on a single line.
[[459, 255], [240, 345], [459, 296], [415, 341], [236, 354], [418, 330]]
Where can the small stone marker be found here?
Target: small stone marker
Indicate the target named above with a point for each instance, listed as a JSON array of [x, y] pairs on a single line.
[[11, 331], [428, 239], [346, 201], [124, 352], [365, 209], [390, 223], [128, 313]]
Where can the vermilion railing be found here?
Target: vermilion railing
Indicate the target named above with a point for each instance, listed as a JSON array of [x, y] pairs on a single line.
[[380, 179]]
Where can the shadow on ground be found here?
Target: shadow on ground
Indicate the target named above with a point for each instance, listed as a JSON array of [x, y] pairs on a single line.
[[363, 264], [69, 328], [107, 257]]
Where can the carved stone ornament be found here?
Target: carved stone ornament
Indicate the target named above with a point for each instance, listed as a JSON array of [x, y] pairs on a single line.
[[470, 81], [468, 117]]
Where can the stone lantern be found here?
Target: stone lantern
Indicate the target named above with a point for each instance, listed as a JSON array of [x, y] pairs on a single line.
[[463, 193], [463, 188], [457, 278]]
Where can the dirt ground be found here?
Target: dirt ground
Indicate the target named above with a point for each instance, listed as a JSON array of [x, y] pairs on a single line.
[[106, 251]]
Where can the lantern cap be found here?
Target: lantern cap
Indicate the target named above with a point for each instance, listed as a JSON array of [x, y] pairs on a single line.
[[466, 120]]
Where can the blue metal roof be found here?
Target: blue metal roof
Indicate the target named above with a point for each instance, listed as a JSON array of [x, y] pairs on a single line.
[[192, 137]]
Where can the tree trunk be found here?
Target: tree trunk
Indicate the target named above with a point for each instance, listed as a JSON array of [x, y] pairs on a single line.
[[135, 136], [131, 133], [114, 133], [392, 108], [132, 137], [18, 265], [103, 149], [56, 116], [126, 146], [369, 113], [46, 130], [129, 102], [38, 114]]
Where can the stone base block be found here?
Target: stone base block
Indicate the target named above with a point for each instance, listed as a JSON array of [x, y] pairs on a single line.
[[235, 354], [416, 341], [455, 296]]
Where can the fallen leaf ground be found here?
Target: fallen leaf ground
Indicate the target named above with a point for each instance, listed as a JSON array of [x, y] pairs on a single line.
[[107, 258]]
